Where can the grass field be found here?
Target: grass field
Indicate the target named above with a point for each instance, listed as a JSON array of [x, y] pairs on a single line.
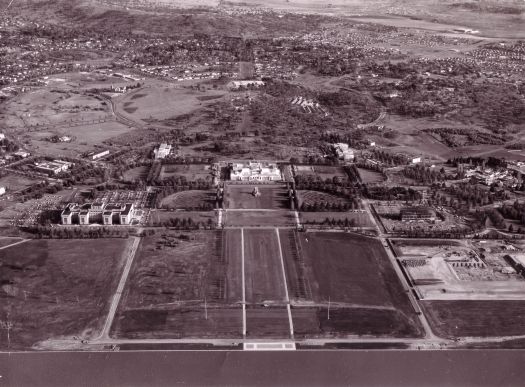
[[476, 318], [163, 102], [173, 283], [247, 218], [53, 288], [264, 278], [8, 241], [188, 200], [370, 177], [354, 272], [135, 174], [14, 183], [272, 197]]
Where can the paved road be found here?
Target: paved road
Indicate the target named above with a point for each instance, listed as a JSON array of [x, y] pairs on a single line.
[[104, 334]]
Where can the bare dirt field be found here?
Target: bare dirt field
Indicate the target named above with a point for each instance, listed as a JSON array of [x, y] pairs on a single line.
[[53, 288], [354, 272], [454, 270], [476, 318], [240, 196], [180, 286]]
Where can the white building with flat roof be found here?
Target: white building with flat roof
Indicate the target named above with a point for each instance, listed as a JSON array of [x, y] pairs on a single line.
[[162, 151], [343, 151], [255, 171]]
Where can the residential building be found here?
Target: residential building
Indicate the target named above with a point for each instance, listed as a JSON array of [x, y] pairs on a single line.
[[255, 171]]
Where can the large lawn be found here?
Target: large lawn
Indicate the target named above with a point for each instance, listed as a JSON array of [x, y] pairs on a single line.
[[53, 288]]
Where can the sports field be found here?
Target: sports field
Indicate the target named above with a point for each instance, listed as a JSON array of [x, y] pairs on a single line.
[[57, 288]]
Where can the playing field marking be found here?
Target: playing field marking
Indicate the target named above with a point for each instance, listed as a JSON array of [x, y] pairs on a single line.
[[285, 283], [243, 286], [118, 294]]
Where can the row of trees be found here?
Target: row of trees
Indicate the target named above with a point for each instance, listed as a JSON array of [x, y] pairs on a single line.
[[320, 206], [184, 224]]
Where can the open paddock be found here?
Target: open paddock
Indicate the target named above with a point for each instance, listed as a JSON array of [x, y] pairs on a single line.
[[183, 285], [95, 133], [476, 318], [177, 322], [315, 322], [353, 271], [15, 183], [271, 197], [58, 288], [370, 177], [165, 102]]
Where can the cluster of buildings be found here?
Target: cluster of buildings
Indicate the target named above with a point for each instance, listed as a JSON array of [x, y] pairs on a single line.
[[489, 176], [53, 167], [343, 151], [162, 151], [98, 212], [255, 171], [308, 105], [236, 85]]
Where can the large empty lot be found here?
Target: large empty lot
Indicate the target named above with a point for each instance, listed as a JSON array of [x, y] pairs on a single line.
[[182, 285], [476, 318], [355, 274], [57, 288]]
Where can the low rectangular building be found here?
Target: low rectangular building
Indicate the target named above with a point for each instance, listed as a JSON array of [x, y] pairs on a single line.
[[415, 213], [53, 167], [98, 212], [255, 171], [162, 151]]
